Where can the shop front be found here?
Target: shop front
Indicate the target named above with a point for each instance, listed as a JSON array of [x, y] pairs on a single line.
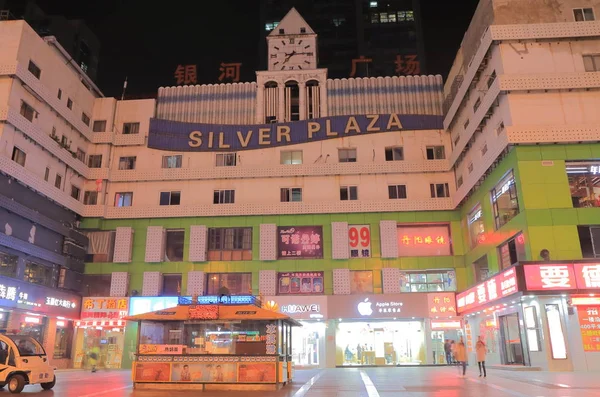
[[391, 329], [308, 341], [101, 334], [44, 313]]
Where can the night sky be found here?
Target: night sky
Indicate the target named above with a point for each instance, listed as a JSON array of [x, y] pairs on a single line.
[[146, 42]]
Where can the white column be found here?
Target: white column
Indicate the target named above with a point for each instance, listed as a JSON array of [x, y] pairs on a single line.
[[260, 104], [302, 98], [281, 100], [323, 112]]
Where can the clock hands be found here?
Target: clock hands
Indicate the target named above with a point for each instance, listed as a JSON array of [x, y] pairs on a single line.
[[291, 54]]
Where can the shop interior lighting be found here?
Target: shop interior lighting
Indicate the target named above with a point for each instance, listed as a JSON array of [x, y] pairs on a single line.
[[60, 323]]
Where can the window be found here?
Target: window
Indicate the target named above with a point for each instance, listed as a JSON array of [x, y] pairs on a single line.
[[170, 198], [397, 192], [19, 156], [27, 111], [466, 124], [85, 118], [583, 14], [477, 104], [90, 197], [291, 157], [556, 333], [532, 328], [224, 197], [99, 126], [270, 26], [410, 15], [171, 284], [59, 95], [172, 161], [302, 30], [361, 281], [470, 167], [476, 226], [63, 339], [47, 174], [131, 128], [39, 274], [459, 181], [504, 200], [372, 4], [95, 161], [75, 191], [591, 63], [34, 69], [428, 281], [100, 249], [80, 155], [96, 284], [175, 240], [229, 283], [64, 141], [439, 190], [491, 79], [481, 269], [338, 21], [58, 181], [347, 155], [289, 194], [124, 199], [69, 103], [8, 265], [394, 153], [435, 152], [456, 140], [226, 159], [348, 193], [500, 128], [484, 149], [127, 163], [225, 244], [512, 251]]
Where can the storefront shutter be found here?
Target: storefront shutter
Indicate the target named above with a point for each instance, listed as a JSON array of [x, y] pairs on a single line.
[[339, 240], [198, 243], [123, 245]]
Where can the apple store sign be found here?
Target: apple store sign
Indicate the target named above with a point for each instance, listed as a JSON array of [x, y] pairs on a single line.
[[378, 306]]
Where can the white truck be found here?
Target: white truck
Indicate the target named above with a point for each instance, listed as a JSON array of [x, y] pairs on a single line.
[[23, 361]]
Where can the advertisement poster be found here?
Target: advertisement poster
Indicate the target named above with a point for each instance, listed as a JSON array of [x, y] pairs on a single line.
[[361, 282], [430, 240], [152, 372], [589, 324], [300, 242], [204, 372], [300, 283], [256, 373], [359, 241]]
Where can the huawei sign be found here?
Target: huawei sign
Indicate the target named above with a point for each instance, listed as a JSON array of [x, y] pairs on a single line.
[[291, 309]]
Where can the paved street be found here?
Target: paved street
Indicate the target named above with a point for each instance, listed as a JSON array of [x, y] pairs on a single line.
[[371, 382]]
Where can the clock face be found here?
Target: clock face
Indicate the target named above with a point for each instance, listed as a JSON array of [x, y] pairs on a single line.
[[291, 54]]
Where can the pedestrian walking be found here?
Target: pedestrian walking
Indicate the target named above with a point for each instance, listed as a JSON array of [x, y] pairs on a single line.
[[460, 355], [448, 351], [481, 350]]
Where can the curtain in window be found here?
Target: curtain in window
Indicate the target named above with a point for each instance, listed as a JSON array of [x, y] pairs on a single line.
[[99, 242]]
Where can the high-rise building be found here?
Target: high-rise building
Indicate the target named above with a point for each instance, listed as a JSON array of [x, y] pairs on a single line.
[[388, 33]]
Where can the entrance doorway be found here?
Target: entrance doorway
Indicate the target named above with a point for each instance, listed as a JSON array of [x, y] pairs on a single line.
[[511, 340]]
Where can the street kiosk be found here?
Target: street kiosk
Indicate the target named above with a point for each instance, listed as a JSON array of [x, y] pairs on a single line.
[[213, 343]]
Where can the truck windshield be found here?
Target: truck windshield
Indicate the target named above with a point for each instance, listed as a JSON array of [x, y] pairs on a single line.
[[27, 345]]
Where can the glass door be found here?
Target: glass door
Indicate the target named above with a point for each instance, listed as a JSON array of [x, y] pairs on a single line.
[[511, 340]]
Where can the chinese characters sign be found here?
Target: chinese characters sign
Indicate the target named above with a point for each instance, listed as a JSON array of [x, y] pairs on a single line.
[[230, 72], [589, 323], [300, 283], [359, 238], [441, 304], [407, 65], [101, 309], [186, 74], [560, 277], [161, 349], [23, 295], [203, 312], [271, 339], [300, 242], [497, 287], [8, 292], [433, 240], [66, 303]]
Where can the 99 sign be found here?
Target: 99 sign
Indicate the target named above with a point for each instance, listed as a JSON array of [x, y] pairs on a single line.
[[359, 237]]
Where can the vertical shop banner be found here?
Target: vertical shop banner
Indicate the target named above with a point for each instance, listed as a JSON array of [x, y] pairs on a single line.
[[429, 240], [589, 324], [359, 238], [300, 242], [300, 283]]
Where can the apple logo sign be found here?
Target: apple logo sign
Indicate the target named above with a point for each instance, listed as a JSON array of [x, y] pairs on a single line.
[[364, 308]]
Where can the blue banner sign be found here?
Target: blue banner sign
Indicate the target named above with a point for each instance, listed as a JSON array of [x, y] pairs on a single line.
[[195, 137], [222, 300]]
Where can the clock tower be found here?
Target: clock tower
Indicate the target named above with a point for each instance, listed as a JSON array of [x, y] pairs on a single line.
[[292, 88]]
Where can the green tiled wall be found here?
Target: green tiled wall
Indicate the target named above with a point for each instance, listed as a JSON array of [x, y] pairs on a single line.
[[547, 220]]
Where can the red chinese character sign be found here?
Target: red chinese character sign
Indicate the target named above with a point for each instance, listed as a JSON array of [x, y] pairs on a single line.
[[186, 74], [587, 275], [562, 277], [95, 309], [359, 241], [300, 242], [497, 287], [300, 283], [230, 72], [407, 65], [589, 324], [203, 312], [442, 304], [430, 240]]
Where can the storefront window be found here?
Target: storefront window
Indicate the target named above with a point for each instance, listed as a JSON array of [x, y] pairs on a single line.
[[512, 251], [63, 339], [174, 245], [476, 226], [533, 332], [361, 282], [229, 284], [30, 325], [584, 184], [308, 342], [105, 344], [557, 335], [428, 281], [8, 265], [39, 274], [504, 200]]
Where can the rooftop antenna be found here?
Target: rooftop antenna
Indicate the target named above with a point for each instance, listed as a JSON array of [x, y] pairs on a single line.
[[124, 88]]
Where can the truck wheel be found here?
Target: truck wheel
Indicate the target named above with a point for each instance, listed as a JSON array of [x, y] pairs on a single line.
[[16, 383], [49, 385]]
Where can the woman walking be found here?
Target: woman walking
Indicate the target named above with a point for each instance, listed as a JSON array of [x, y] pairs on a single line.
[[481, 350], [460, 355]]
